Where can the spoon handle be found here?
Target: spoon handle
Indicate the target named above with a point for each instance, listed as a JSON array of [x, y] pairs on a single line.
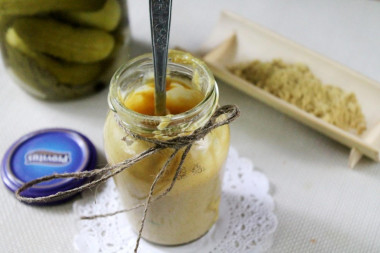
[[160, 13]]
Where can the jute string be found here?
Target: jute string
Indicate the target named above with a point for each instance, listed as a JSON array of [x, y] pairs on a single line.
[[98, 176]]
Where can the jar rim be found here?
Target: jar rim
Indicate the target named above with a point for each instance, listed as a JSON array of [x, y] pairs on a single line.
[[211, 94]]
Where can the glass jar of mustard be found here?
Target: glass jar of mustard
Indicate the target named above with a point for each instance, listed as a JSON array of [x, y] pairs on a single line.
[[63, 49], [190, 209]]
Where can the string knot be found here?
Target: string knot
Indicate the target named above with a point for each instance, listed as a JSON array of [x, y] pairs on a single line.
[[230, 112]]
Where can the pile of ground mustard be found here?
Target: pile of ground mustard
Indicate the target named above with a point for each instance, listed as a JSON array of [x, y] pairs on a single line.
[[296, 84]]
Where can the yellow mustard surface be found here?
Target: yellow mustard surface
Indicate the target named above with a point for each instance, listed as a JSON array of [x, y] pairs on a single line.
[[179, 98], [190, 209]]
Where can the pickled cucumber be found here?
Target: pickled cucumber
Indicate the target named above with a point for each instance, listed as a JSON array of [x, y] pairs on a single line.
[[106, 18], [82, 45], [34, 78], [29, 7], [44, 66], [40, 82], [70, 73]]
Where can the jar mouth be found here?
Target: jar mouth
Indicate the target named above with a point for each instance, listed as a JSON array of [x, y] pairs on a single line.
[[148, 123]]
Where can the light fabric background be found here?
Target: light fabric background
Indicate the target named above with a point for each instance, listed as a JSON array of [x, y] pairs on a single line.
[[322, 206]]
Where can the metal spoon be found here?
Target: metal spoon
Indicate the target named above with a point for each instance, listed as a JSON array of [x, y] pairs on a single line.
[[160, 12]]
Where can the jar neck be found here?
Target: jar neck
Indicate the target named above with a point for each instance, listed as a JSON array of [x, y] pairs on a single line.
[[181, 65]]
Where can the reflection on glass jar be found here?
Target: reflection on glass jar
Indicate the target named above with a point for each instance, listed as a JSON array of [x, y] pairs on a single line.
[[190, 209], [63, 49]]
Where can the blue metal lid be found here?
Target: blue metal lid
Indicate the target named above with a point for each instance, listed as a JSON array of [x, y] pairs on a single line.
[[43, 153]]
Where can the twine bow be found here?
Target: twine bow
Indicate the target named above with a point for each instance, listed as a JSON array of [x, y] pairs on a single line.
[[231, 112]]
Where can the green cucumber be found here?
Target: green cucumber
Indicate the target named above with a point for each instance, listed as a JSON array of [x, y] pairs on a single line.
[[106, 18], [40, 82], [30, 7], [83, 45], [42, 67]]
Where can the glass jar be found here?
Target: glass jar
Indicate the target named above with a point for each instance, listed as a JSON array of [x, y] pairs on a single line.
[[60, 50], [190, 209]]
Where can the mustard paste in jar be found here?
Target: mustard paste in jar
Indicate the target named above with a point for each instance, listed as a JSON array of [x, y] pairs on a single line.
[[190, 209]]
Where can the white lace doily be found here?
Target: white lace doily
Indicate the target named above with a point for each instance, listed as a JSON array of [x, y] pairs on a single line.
[[246, 224]]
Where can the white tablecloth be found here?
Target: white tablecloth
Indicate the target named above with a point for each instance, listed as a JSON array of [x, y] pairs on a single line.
[[322, 206]]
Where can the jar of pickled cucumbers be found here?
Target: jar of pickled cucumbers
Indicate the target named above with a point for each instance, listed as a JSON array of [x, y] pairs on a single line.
[[190, 209], [63, 49]]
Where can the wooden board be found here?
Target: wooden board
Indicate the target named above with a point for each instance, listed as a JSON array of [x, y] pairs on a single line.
[[236, 39]]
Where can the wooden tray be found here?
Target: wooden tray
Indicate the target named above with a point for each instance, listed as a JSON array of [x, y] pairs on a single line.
[[236, 39]]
